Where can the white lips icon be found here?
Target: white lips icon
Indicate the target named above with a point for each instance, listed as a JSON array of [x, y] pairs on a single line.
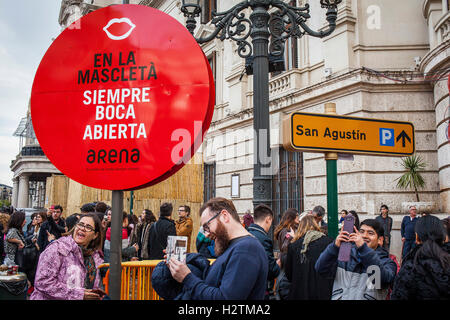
[[116, 20]]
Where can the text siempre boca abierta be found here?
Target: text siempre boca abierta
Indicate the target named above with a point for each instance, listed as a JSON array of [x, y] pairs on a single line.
[[115, 104]]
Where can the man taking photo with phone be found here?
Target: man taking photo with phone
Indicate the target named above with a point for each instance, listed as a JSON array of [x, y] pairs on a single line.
[[368, 273]]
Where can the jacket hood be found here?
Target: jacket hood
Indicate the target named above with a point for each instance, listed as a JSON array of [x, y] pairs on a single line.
[[256, 226], [66, 245]]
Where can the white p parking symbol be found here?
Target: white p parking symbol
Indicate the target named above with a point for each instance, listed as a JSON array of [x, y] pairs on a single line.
[[387, 137]]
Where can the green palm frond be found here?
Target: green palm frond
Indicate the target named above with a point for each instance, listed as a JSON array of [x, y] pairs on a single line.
[[412, 179]]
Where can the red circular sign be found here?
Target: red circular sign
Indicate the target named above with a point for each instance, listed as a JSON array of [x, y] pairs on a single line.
[[122, 98]]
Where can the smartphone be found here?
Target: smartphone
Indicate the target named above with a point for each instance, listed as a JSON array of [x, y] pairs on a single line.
[[176, 248], [346, 247]]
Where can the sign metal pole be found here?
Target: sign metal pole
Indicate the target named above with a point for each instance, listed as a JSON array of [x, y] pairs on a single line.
[[115, 266], [332, 186]]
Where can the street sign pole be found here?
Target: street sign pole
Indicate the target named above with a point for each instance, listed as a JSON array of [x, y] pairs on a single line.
[[332, 194], [332, 186], [115, 266]]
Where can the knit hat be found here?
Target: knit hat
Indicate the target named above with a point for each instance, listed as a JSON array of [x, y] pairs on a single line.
[[248, 219]]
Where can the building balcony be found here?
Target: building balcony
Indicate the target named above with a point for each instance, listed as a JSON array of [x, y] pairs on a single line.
[[442, 28], [32, 151]]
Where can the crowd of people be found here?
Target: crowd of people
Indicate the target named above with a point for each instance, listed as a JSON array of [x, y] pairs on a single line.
[[254, 260]]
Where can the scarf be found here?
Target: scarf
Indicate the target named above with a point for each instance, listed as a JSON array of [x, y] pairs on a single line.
[[89, 264], [310, 236], [201, 237]]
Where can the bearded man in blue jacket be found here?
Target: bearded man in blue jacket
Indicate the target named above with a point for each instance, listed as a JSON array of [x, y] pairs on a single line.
[[240, 271]]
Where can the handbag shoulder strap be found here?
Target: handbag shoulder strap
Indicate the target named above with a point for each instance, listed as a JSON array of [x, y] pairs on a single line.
[[156, 233]]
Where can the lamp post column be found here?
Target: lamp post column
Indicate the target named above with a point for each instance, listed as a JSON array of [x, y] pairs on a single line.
[[262, 184]]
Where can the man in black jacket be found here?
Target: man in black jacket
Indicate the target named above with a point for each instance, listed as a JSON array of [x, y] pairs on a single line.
[[263, 217], [159, 231], [386, 223], [54, 226]]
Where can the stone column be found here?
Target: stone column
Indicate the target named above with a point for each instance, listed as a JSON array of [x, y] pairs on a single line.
[[15, 192], [437, 61], [441, 97], [23, 191]]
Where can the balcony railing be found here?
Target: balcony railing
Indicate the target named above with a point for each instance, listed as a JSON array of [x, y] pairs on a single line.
[[284, 83], [443, 28], [32, 151]]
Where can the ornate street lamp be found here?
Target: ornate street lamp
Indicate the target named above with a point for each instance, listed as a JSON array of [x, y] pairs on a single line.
[[285, 22], [191, 10]]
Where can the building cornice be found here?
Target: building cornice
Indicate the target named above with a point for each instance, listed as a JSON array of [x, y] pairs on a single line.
[[391, 47]]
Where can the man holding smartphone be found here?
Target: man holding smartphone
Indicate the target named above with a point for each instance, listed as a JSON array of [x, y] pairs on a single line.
[[240, 271], [368, 273]]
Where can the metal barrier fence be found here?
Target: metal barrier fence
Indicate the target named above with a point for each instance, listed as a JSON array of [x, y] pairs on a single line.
[[136, 280]]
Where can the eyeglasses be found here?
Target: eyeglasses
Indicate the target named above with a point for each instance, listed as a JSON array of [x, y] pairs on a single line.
[[86, 227], [181, 210], [206, 224]]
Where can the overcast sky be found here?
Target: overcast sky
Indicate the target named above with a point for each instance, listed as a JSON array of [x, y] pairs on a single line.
[[26, 31]]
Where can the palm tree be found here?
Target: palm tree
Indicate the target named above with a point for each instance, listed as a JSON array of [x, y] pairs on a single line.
[[412, 177]]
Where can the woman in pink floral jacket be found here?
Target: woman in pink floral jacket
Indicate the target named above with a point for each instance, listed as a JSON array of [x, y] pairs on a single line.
[[67, 268]]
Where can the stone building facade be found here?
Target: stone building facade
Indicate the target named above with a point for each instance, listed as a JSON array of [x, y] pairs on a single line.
[[385, 60], [375, 65], [31, 168]]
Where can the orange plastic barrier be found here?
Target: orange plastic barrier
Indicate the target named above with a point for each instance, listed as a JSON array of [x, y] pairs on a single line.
[[136, 280]]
